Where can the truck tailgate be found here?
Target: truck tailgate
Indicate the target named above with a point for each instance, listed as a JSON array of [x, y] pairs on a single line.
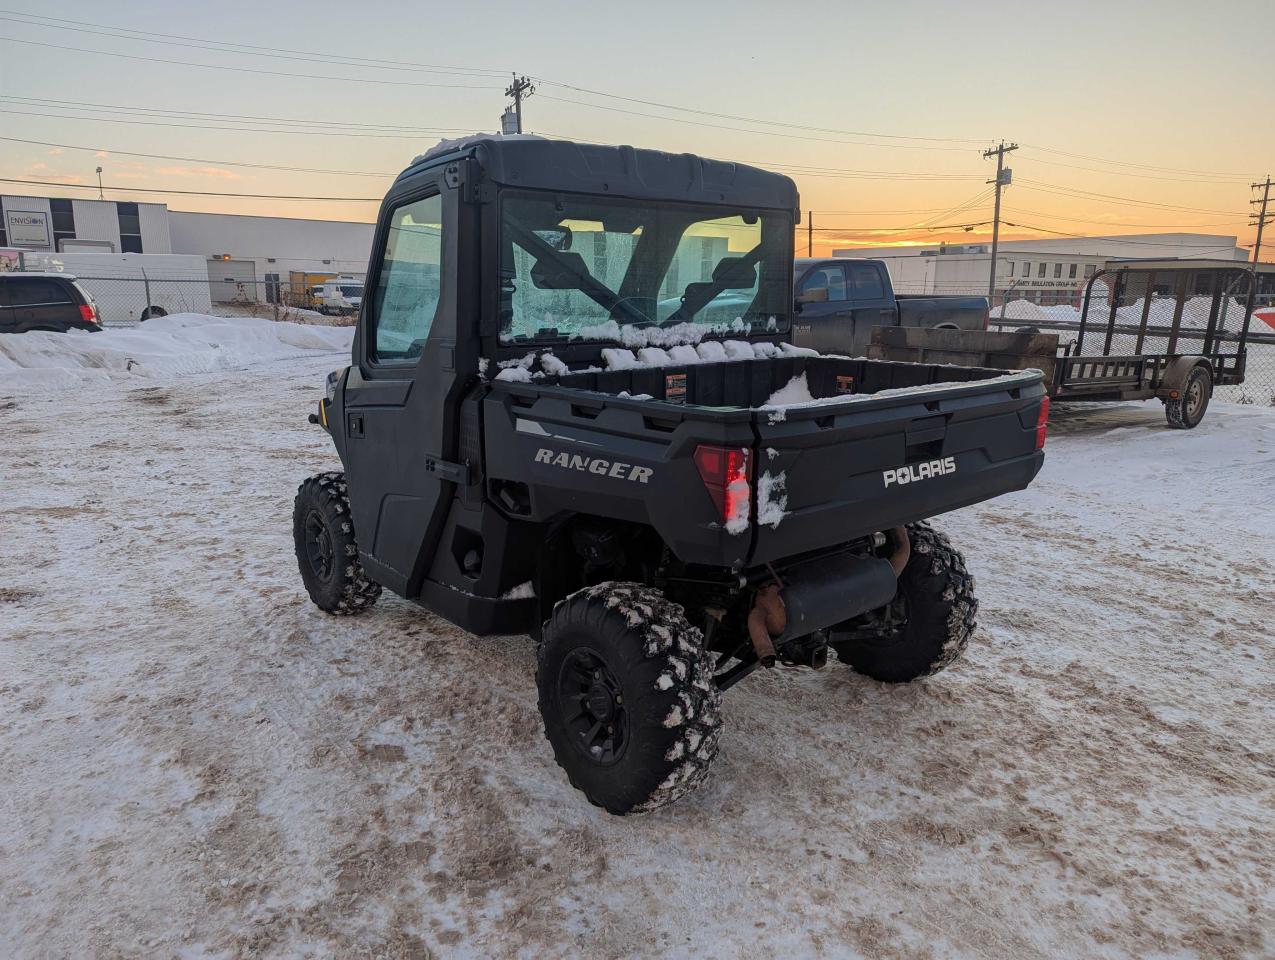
[[844, 470]]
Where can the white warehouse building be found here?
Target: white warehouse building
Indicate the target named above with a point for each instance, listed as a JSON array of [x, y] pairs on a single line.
[[270, 253], [1042, 271], [258, 258]]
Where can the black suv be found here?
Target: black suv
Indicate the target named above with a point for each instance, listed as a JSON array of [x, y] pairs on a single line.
[[45, 301]]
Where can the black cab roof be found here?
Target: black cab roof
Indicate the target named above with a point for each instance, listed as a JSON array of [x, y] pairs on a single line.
[[539, 163]]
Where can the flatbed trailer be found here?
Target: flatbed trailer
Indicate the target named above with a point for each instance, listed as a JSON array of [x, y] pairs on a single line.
[[1172, 330]]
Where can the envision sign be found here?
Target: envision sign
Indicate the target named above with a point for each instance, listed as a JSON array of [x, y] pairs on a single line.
[[27, 228]]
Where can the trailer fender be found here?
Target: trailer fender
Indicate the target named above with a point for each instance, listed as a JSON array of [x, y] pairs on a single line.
[[1175, 374]]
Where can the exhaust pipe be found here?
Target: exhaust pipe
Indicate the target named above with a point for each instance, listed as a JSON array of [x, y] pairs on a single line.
[[824, 592], [818, 594]]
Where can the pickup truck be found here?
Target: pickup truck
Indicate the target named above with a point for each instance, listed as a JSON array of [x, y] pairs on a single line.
[[839, 301], [535, 441]]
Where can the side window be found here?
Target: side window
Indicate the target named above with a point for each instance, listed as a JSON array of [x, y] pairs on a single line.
[[31, 291], [831, 278], [865, 282], [410, 282]]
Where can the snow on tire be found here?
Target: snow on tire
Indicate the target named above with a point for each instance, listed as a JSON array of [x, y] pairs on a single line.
[[927, 626], [327, 552], [627, 697]]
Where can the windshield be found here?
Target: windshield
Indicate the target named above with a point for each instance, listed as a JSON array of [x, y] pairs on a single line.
[[347, 291], [583, 266]]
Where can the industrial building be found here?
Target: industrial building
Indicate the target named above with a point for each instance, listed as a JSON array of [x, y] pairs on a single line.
[[1042, 271], [262, 255]]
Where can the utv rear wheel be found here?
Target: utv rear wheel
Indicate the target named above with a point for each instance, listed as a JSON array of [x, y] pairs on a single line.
[[627, 697], [327, 552], [928, 624], [1187, 411]]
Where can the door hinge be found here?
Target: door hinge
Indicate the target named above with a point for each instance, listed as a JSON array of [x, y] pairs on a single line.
[[454, 472]]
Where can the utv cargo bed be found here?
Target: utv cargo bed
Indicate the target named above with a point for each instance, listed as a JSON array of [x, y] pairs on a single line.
[[878, 444]]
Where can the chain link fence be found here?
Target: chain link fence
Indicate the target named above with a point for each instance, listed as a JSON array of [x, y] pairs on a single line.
[[300, 297]]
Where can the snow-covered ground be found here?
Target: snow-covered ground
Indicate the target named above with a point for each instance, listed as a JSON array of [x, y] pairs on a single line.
[[182, 343], [197, 763]]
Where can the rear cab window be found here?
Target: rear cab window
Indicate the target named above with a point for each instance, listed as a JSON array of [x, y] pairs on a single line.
[[865, 281], [409, 284]]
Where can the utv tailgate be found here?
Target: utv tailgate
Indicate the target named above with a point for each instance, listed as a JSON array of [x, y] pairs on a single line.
[[876, 461]]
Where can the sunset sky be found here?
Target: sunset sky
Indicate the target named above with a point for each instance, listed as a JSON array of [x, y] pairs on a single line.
[[1131, 117]]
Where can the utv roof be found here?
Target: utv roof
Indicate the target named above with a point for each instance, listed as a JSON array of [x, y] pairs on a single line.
[[538, 163]]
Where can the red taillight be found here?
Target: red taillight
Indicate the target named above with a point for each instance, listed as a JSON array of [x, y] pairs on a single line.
[[724, 471], [88, 312], [1042, 423]]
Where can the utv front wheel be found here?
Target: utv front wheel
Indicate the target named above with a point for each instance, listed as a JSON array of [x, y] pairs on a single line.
[[928, 623], [627, 697], [327, 552]]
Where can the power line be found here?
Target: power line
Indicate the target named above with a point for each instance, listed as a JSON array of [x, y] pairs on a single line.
[[720, 126], [1044, 187], [1139, 174], [728, 116], [1129, 163], [228, 163], [273, 73], [200, 115], [56, 23], [1058, 216], [209, 126], [190, 193], [247, 49]]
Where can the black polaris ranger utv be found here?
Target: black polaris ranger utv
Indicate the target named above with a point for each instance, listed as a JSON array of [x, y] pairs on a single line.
[[573, 411]]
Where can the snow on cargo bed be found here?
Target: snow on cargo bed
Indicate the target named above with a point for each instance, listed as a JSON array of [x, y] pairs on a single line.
[[787, 381], [176, 345]]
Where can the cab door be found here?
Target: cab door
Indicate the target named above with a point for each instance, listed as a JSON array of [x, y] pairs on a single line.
[[401, 394], [825, 315]]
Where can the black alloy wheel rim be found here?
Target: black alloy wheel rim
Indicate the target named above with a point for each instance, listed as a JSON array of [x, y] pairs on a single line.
[[592, 706], [318, 546]]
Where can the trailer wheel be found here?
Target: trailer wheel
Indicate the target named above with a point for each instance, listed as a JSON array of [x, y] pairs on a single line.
[[928, 624], [327, 553], [627, 697], [1186, 412]]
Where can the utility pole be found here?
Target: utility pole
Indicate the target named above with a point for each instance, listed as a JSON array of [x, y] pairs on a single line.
[[1262, 218], [810, 233], [521, 87], [1003, 179]]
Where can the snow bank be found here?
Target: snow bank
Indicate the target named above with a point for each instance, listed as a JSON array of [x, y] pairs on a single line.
[[159, 349]]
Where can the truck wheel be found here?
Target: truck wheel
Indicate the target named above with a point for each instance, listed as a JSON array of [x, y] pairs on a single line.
[[1187, 411], [327, 552], [627, 697], [927, 625], [150, 312]]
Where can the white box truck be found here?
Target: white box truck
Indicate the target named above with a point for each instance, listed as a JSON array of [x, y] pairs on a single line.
[[129, 287]]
